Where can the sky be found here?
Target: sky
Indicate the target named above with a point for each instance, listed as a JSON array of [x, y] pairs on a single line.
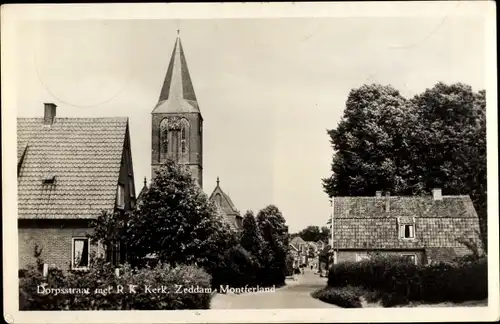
[[268, 89]]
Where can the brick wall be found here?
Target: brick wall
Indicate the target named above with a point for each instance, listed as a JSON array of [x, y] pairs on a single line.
[[56, 244], [195, 147], [350, 255]]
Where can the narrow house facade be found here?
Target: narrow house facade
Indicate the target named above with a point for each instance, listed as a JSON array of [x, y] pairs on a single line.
[[69, 171]]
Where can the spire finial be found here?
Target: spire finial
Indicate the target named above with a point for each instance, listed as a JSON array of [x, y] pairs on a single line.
[[218, 181], [178, 32], [145, 181]]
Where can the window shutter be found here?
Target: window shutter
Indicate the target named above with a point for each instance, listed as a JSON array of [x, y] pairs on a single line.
[[412, 232]]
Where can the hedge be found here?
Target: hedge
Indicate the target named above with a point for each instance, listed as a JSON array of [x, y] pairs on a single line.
[[347, 297], [102, 275], [400, 281]]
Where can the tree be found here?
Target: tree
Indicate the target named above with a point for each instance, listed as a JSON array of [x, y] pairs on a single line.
[[369, 142], [325, 234], [451, 143], [408, 147], [310, 233], [313, 234], [275, 234], [175, 222], [251, 238]]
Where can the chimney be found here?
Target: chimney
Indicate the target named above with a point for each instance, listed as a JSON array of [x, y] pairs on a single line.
[[378, 194], [387, 201], [50, 113], [436, 194]]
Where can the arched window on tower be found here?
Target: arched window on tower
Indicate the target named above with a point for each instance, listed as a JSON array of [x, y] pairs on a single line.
[[183, 140], [184, 143], [163, 139]]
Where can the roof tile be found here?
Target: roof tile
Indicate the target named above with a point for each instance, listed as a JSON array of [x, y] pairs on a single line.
[[362, 222], [84, 154]]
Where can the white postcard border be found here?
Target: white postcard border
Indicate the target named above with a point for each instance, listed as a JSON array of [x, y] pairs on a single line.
[[12, 15]]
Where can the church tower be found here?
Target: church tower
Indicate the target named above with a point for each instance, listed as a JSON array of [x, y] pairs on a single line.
[[177, 124]]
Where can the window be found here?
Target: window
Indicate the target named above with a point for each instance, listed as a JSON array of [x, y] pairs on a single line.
[[163, 138], [360, 256], [120, 196], [80, 253], [218, 199], [130, 187], [184, 135], [49, 178], [114, 253], [410, 258], [407, 231]]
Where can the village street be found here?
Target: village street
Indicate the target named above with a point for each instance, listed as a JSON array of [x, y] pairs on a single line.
[[296, 294]]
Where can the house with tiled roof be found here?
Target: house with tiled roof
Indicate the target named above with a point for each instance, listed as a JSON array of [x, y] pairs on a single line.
[[226, 206], [299, 250], [299, 244], [422, 228], [69, 171]]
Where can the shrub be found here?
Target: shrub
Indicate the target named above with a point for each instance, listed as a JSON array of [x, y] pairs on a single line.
[[236, 268], [400, 281], [393, 299], [347, 297], [30, 298], [101, 276]]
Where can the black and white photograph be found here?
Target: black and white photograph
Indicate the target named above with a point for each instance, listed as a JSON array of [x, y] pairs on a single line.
[[275, 162]]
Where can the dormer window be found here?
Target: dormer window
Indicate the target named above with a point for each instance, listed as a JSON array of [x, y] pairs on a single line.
[[49, 178], [120, 196], [407, 231], [406, 228]]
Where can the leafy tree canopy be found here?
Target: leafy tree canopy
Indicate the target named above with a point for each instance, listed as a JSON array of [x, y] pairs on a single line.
[[175, 221], [437, 139], [315, 233]]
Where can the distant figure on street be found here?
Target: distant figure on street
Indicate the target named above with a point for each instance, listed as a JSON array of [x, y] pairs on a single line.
[[311, 266]]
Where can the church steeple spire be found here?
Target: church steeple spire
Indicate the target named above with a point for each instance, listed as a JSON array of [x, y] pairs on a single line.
[[177, 94], [177, 124]]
